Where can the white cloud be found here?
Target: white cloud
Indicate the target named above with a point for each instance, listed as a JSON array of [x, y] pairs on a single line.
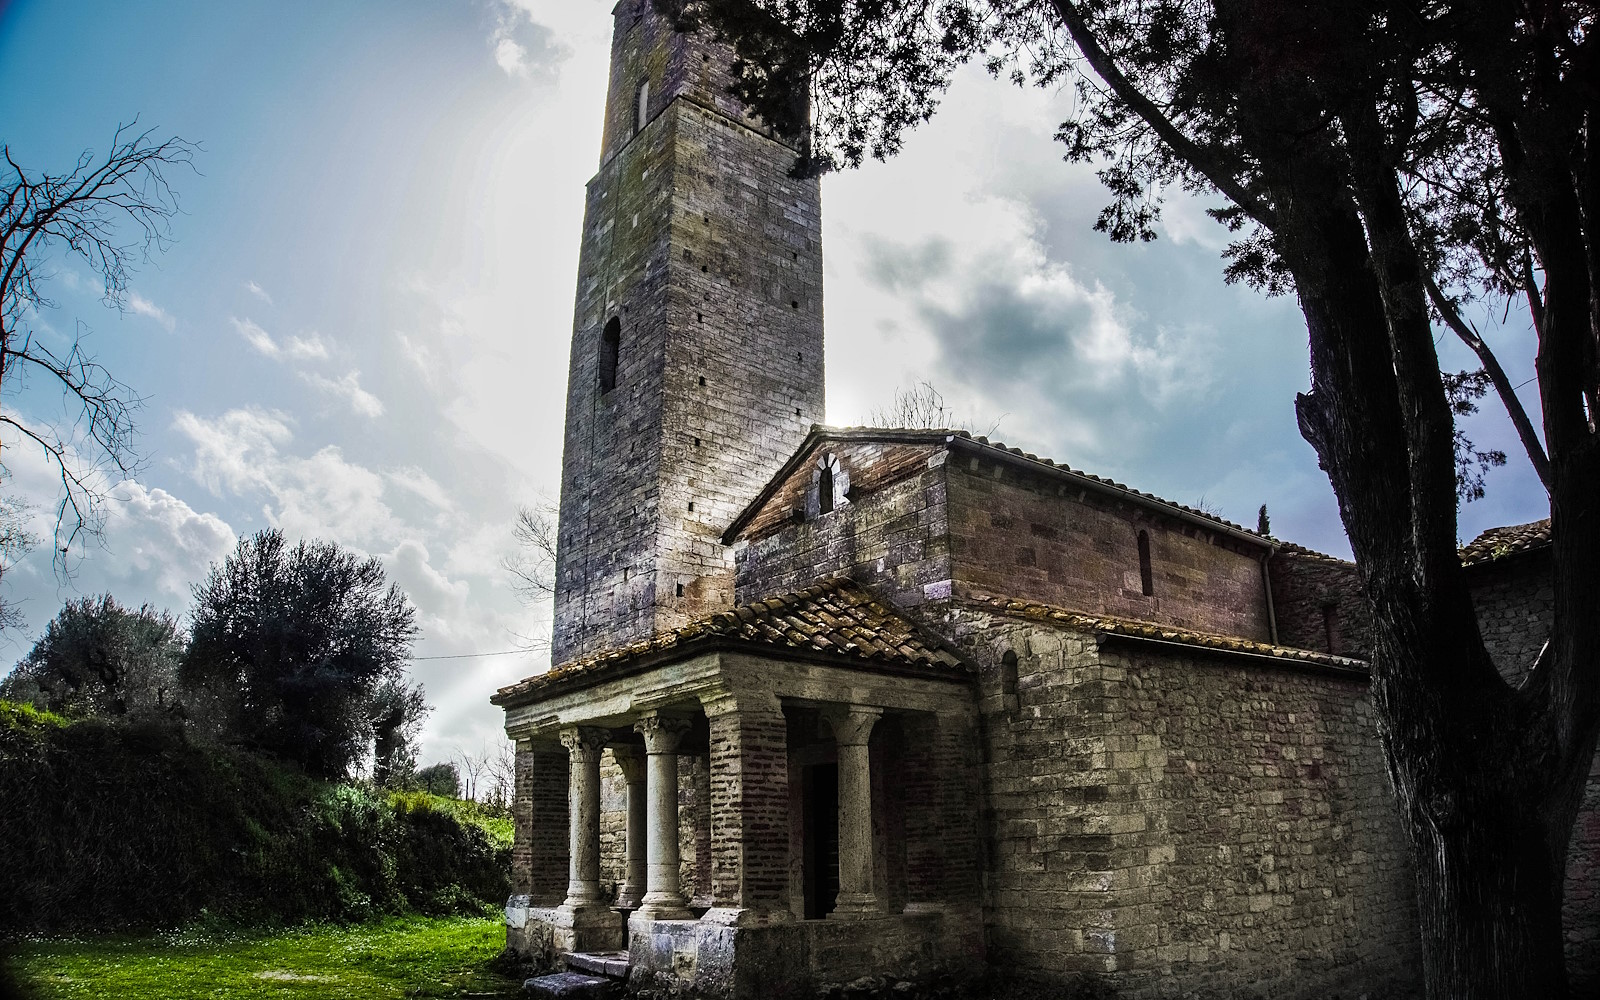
[[525, 40], [312, 348], [141, 306], [258, 292], [420, 484], [348, 388], [511, 57]]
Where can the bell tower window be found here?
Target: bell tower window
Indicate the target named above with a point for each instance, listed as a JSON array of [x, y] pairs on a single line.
[[641, 105], [610, 350]]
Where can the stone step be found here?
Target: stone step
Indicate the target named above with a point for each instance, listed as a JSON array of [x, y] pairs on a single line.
[[571, 986], [612, 964]]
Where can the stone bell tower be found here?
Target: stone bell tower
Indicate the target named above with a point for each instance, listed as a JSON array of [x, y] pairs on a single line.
[[696, 365]]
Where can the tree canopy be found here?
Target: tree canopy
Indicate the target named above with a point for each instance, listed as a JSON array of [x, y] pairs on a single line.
[[97, 657], [300, 641]]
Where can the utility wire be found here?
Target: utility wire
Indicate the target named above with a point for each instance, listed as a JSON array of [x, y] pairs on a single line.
[[472, 656]]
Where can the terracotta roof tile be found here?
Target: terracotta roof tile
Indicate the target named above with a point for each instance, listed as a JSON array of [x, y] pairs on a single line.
[[1133, 628], [833, 618], [1496, 543]]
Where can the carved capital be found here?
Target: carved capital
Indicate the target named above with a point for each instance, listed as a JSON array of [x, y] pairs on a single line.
[[583, 742], [661, 733], [631, 761], [852, 724]]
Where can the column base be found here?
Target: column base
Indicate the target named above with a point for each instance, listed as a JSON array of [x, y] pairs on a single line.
[[587, 927], [740, 916]]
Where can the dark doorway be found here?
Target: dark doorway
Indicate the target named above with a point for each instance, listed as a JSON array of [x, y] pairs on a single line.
[[821, 789]]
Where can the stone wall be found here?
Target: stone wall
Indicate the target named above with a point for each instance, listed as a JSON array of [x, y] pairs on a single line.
[[1318, 604], [1184, 822], [892, 536], [1515, 603], [1030, 537], [708, 256]]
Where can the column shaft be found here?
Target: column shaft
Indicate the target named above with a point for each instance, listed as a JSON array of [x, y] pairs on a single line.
[[852, 728], [583, 755], [632, 890], [663, 898]]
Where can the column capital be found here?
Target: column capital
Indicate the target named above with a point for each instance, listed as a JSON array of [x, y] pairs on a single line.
[[661, 732], [583, 741], [852, 724], [631, 760]]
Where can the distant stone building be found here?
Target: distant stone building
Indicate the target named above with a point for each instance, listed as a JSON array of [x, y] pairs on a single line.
[[831, 702]]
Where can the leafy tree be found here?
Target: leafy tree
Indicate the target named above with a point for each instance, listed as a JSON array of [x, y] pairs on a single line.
[[89, 213], [99, 658], [398, 711], [302, 640], [440, 779], [1384, 162]]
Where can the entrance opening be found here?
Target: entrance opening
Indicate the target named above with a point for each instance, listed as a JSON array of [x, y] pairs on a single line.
[[821, 858]]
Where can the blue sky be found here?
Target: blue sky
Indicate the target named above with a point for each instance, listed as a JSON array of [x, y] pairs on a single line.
[[361, 332]]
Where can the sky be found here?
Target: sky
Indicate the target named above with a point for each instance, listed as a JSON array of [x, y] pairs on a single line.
[[360, 333]]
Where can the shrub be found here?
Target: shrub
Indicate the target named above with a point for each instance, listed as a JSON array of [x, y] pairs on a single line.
[[131, 825]]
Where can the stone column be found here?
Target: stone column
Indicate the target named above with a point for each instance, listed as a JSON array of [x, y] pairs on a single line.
[[632, 890], [583, 756], [663, 898], [749, 764], [852, 727]]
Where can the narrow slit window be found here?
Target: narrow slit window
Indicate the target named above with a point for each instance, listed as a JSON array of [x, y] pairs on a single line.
[[1008, 673], [641, 105], [1330, 626], [825, 491], [1146, 579], [610, 350]]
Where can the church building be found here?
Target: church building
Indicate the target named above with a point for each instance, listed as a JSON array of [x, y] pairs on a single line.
[[841, 702]]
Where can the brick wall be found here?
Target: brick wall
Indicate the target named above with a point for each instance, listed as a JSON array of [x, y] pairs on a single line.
[[1317, 598], [1183, 822], [539, 850], [709, 256]]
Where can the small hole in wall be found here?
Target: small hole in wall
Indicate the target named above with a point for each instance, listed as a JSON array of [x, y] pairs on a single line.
[[794, 256], [705, 58], [691, 506], [680, 590], [704, 269], [799, 355], [702, 380], [697, 442], [794, 304], [797, 411], [701, 317]]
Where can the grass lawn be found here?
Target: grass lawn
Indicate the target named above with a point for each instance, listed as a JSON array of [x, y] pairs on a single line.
[[401, 957]]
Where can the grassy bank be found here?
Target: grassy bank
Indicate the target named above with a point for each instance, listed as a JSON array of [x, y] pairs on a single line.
[[397, 957]]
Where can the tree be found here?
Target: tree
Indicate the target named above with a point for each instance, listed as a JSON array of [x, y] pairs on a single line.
[[440, 779], [16, 541], [301, 640], [1384, 162], [398, 711], [99, 658], [83, 213]]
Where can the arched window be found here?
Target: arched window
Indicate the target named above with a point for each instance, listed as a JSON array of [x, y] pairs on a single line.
[[641, 105], [1008, 673], [830, 486], [1146, 579], [610, 349], [825, 491]]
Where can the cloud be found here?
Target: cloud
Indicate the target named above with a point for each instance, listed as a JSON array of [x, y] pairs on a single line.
[[524, 44], [348, 388], [142, 306], [258, 292], [312, 348]]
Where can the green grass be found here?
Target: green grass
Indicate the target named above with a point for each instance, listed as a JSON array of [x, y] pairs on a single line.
[[496, 824], [400, 957]]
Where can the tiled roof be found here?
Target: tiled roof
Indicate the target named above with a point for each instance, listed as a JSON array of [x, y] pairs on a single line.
[[1293, 549], [1135, 629], [821, 432], [1506, 540], [835, 618]]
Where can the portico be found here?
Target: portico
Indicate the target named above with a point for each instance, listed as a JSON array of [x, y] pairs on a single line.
[[892, 720]]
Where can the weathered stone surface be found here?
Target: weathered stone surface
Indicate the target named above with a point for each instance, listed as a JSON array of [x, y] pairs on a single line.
[[571, 986]]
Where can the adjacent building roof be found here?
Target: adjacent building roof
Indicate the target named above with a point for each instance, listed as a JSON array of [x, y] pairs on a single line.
[[1107, 625], [836, 619], [965, 440], [1497, 543]]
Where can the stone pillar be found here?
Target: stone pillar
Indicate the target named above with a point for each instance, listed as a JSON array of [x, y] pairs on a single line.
[[749, 765], [584, 746], [858, 897], [663, 898], [632, 890]]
